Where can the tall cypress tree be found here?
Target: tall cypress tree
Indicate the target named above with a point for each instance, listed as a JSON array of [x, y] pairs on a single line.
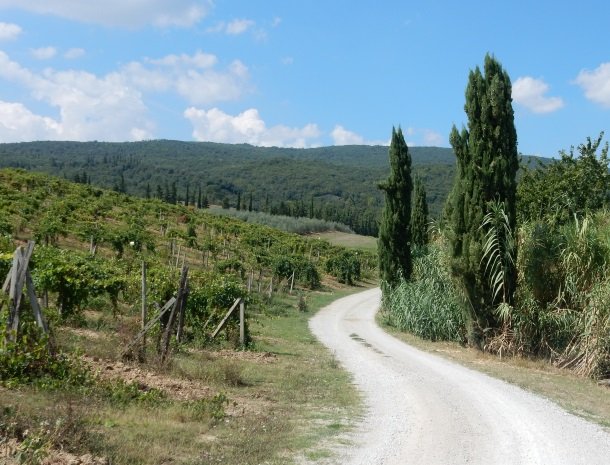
[[419, 214], [487, 163], [394, 244]]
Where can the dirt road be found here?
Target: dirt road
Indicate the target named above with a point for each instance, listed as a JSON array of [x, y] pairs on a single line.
[[422, 409]]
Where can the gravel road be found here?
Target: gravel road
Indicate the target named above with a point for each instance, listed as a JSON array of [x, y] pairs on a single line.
[[422, 409]]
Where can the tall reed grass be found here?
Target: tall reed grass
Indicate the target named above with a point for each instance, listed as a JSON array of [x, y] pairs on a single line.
[[429, 305]]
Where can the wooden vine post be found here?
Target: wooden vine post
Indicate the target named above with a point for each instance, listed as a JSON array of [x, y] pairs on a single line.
[[18, 277], [144, 311], [177, 309]]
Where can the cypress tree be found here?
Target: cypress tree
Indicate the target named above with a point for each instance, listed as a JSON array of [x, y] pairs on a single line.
[[250, 203], [487, 163], [147, 194], [394, 244], [419, 214], [187, 196], [238, 205], [199, 196]]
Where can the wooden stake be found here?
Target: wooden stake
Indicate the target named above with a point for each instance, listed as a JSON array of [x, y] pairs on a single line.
[[242, 323], [144, 308]]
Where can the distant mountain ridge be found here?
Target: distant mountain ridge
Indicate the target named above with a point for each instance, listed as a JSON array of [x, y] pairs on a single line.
[[337, 183]]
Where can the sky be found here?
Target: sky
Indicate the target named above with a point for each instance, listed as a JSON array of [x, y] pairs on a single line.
[[297, 73]]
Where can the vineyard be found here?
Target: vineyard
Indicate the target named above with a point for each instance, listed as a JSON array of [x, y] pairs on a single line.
[[91, 246]]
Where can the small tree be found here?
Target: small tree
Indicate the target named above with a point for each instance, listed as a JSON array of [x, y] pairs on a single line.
[[419, 214], [566, 187], [394, 244]]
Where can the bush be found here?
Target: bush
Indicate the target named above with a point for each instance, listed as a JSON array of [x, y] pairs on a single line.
[[29, 360], [345, 266]]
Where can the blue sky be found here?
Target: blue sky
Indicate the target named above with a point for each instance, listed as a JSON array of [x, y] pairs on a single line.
[[296, 73]]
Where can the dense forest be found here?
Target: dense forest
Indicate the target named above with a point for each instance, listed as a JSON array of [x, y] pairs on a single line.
[[332, 183]]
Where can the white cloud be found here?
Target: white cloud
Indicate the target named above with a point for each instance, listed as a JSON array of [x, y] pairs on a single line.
[[191, 76], [235, 27], [247, 127], [9, 31], [239, 26], [132, 13], [433, 138], [530, 93], [111, 106], [89, 107], [596, 84], [276, 21], [287, 60], [342, 136], [74, 53], [43, 53], [18, 124], [197, 60]]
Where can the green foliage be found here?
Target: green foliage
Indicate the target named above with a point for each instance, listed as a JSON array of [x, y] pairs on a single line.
[[429, 305], [122, 393], [29, 360], [304, 270], [566, 187], [209, 300], [499, 252], [394, 244], [75, 277], [214, 407], [419, 215], [487, 160], [345, 266]]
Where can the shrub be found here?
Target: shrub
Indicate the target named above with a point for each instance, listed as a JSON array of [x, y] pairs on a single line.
[[345, 266]]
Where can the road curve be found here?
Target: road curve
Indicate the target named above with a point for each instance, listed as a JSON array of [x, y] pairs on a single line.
[[422, 409]]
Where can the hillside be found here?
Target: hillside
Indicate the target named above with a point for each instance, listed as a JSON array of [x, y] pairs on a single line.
[[336, 183], [207, 402]]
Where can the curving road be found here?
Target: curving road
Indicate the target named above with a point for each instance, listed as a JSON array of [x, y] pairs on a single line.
[[422, 409]]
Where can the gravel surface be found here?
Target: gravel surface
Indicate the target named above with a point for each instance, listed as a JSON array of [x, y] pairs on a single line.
[[422, 409]]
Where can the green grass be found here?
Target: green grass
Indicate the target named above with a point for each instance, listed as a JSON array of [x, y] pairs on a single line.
[[350, 241]]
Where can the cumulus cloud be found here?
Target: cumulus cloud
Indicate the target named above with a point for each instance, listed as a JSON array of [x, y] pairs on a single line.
[[194, 77], [9, 31], [530, 93], [121, 13], [247, 127], [43, 53], [18, 124], [596, 84], [342, 136], [74, 53], [88, 107]]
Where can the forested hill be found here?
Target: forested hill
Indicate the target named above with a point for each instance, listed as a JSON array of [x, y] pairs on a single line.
[[336, 183]]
